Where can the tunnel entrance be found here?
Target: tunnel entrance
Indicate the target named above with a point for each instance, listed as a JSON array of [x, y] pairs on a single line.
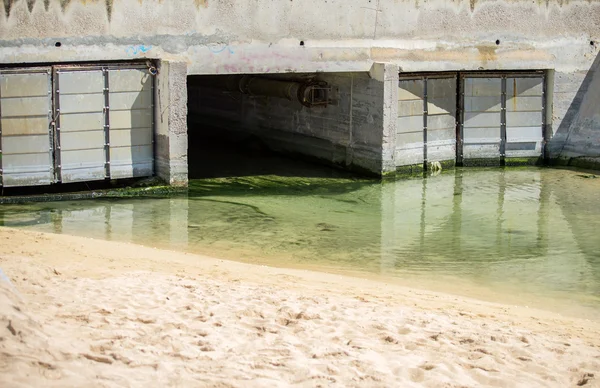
[[261, 124], [244, 125]]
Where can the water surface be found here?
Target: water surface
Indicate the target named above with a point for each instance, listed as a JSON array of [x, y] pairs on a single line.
[[521, 236]]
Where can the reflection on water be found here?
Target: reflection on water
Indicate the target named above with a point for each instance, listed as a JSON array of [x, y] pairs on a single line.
[[526, 235]]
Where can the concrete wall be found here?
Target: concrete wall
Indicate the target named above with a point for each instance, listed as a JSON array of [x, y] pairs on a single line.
[[266, 36], [348, 132], [576, 141], [259, 36]]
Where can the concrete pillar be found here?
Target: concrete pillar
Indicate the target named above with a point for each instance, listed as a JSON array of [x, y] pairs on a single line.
[[171, 161], [388, 74]]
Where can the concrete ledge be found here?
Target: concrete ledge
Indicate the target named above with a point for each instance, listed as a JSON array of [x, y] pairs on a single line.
[[152, 191], [584, 162], [531, 161], [482, 162], [409, 171], [364, 161]]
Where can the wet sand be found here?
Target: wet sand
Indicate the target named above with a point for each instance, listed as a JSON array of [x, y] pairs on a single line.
[[83, 312]]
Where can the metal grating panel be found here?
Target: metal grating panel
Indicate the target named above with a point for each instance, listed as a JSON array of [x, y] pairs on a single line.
[[481, 121], [409, 135], [441, 119], [524, 116], [25, 133], [81, 125], [426, 120], [131, 123]]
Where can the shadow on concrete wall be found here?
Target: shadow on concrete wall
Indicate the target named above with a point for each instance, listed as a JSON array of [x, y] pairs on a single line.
[[579, 132], [141, 129]]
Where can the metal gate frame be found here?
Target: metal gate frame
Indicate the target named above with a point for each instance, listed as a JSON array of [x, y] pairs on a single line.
[[425, 77], [31, 70], [503, 76], [106, 109], [54, 125]]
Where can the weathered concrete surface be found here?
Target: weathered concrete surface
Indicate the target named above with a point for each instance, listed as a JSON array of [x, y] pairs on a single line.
[[171, 123], [264, 36], [577, 138]]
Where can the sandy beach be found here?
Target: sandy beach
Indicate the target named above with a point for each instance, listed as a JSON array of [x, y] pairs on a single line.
[[83, 312]]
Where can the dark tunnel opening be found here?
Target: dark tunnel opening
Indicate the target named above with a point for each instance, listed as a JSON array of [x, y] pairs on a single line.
[[241, 125]]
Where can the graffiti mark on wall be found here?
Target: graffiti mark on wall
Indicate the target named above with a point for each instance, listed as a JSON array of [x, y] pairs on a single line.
[[137, 49], [218, 48]]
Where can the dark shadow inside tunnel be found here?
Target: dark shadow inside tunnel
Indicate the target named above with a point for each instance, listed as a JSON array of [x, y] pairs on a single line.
[[240, 126]]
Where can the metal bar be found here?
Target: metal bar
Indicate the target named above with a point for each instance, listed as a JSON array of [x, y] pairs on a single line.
[[21, 70], [512, 73], [106, 112], [460, 102], [545, 135], [50, 124], [56, 125], [114, 66], [154, 131], [1, 174], [503, 120], [425, 123], [472, 74]]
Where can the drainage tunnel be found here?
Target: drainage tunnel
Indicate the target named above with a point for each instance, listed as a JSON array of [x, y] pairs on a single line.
[[251, 124]]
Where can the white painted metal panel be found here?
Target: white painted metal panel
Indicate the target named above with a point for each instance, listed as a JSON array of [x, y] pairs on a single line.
[[81, 125], [524, 116], [76, 122], [482, 120], [25, 133], [409, 135], [131, 123], [441, 119], [427, 120]]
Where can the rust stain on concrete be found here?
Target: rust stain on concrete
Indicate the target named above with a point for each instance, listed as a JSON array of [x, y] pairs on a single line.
[[109, 8], [467, 55], [64, 4], [487, 53], [201, 3], [7, 7]]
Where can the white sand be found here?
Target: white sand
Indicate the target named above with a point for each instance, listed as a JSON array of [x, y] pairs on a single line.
[[82, 312]]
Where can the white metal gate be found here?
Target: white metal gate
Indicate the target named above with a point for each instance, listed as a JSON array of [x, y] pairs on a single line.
[[80, 125], [25, 133], [525, 111], [502, 117], [426, 127], [130, 122], [75, 123]]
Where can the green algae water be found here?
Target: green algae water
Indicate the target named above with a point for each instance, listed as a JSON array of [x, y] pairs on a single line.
[[525, 236]]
